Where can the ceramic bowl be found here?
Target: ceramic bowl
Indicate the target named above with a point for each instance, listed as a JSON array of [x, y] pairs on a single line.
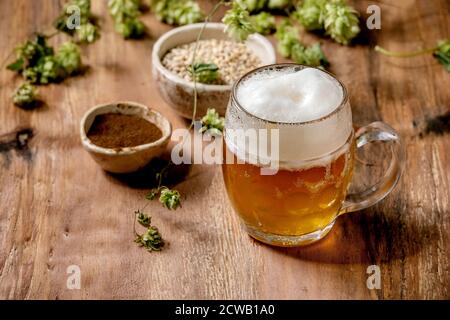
[[130, 159], [178, 92]]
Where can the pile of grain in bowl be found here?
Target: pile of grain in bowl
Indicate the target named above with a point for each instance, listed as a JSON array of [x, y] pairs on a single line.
[[234, 59]]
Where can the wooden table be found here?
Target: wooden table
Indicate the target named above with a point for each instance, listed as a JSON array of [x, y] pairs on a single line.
[[58, 208]]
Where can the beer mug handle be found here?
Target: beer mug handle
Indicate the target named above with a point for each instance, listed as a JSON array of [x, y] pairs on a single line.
[[377, 131]]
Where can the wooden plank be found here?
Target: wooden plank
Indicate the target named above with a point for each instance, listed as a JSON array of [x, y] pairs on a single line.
[[59, 209]]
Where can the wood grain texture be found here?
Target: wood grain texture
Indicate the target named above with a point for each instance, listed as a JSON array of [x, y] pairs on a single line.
[[57, 208]]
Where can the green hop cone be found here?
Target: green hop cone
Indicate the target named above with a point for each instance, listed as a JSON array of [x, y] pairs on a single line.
[[177, 12], [143, 219], [186, 12], [120, 9], [279, 4], [253, 5], [340, 21], [85, 9], [238, 23], [151, 239], [170, 198], [212, 122], [49, 70], [125, 14], [31, 75], [88, 33], [161, 10], [311, 56], [29, 53], [131, 28], [309, 14], [28, 50], [68, 57], [25, 95], [287, 36], [264, 23]]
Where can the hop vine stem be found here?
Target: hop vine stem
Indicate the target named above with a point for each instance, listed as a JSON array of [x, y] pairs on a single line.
[[194, 55], [404, 54]]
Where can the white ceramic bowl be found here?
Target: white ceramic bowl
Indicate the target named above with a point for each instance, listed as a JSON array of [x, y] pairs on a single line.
[[178, 92], [130, 159]]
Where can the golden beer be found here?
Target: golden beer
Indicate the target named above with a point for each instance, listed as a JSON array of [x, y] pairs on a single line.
[[290, 202]]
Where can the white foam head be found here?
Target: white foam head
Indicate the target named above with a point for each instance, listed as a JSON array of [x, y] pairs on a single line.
[[290, 96], [301, 103]]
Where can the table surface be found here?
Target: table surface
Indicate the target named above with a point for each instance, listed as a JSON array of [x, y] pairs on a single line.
[[58, 208]]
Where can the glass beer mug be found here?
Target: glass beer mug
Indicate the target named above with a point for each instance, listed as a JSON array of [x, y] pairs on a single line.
[[299, 202]]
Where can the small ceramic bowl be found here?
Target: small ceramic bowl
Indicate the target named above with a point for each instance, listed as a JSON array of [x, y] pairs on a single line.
[[130, 159], [178, 92]]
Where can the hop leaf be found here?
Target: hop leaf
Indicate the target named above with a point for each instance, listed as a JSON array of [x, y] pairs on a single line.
[[25, 95], [340, 21], [264, 23], [204, 72], [238, 23], [212, 122], [170, 198], [16, 65]]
